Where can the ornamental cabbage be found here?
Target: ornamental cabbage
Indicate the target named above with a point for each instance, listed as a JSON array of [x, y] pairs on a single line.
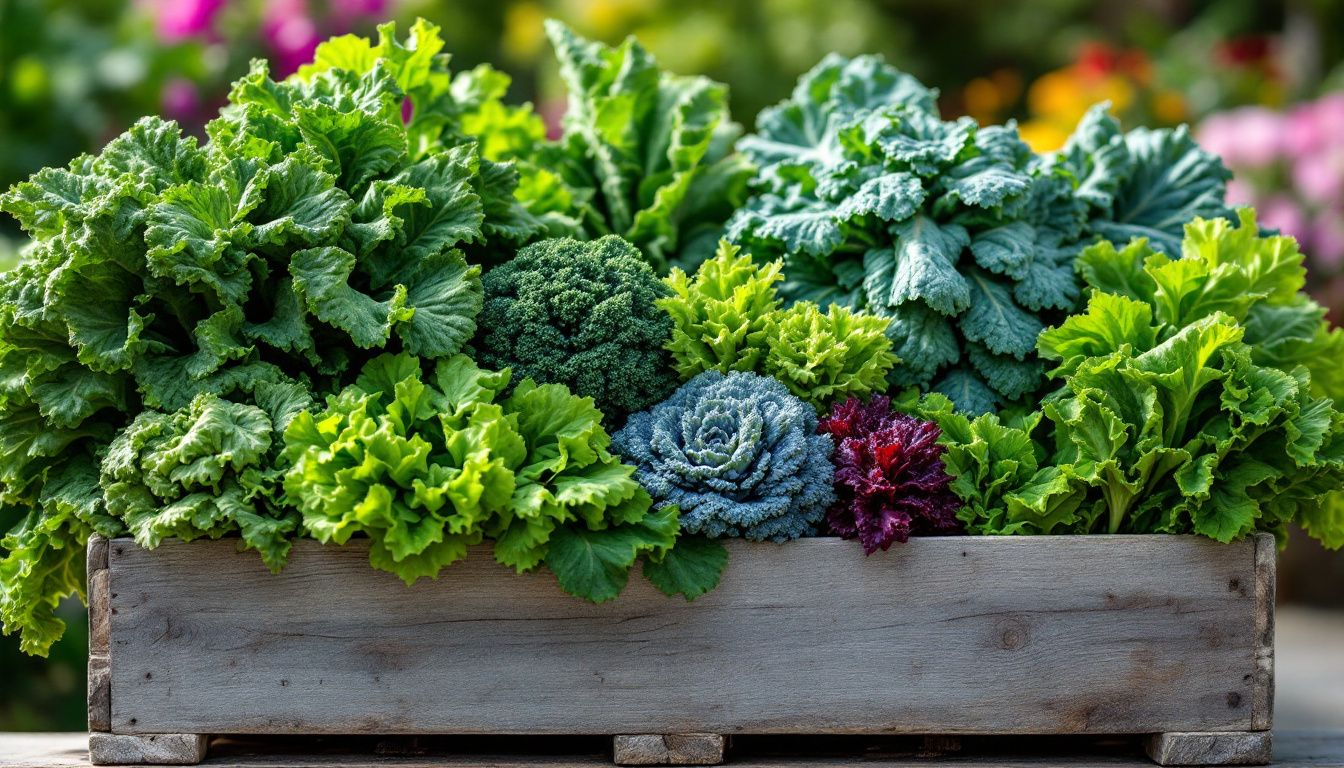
[[957, 232], [729, 318], [889, 476], [581, 314], [737, 454], [645, 154]]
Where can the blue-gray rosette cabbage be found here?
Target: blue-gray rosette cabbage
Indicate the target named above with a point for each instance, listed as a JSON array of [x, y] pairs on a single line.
[[737, 453]]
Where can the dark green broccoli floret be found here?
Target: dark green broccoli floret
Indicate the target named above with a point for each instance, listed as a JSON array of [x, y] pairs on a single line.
[[580, 314]]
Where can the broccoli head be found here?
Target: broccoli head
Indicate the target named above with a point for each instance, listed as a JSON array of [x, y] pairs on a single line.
[[580, 314]]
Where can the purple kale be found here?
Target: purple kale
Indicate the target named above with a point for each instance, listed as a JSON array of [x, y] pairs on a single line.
[[889, 478]]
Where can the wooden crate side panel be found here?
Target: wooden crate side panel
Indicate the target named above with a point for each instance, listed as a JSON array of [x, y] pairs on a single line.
[[100, 627], [955, 635]]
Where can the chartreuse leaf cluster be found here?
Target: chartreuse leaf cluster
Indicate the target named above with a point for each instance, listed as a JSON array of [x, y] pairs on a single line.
[[645, 154], [1177, 411], [957, 232], [730, 317], [426, 467], [171, 279]]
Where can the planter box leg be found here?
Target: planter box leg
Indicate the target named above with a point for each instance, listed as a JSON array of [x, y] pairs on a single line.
[[147, 749], [1231, 748], [668, 749]]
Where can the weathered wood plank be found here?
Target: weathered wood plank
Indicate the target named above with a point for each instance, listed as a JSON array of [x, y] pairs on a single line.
[[99, 667], [668, 749], [146, 749], [1247, 748], [1127, 634], [1262, 703]]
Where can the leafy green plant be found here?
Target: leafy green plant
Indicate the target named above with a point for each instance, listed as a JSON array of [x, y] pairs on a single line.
[[313, 228], [645, 154], [426, 469], [581, 314], [1171, 417], [722, 317], [958, 233], [209, 469], [730, 318]]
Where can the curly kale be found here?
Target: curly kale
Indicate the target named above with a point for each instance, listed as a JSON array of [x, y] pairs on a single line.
[[737, 453], [580, 314]]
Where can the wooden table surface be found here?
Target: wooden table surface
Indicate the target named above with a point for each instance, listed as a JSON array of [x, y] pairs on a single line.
[[1293, 749]]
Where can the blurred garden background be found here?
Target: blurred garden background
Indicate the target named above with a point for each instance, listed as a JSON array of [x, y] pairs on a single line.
[[1260, 83]]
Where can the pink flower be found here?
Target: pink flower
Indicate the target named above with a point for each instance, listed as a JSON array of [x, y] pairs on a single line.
[[1319, 176], [1327, 241], [291, 33], [1314, 126], [181, 100], [177, 20], [1284, 214], [1249, 137]]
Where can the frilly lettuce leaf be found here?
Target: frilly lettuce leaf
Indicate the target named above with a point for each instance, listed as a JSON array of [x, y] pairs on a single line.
[[731, 318], [428, 467]]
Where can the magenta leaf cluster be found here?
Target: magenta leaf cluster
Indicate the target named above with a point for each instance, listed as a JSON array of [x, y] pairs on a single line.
[[889, 478]]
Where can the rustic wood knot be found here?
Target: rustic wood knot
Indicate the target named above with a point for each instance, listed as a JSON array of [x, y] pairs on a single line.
[[1013, 634]]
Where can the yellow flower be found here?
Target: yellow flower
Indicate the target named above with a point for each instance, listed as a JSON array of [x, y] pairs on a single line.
[[523, 33], [1043, 136], [1169, 107]]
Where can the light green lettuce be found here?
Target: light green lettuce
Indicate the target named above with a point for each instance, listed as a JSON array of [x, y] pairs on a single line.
[[428, 467], [729, 317]]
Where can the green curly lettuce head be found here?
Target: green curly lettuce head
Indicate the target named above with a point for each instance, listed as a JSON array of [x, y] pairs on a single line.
[[582, 314], [826, 357], [730, 318], [425, 467], [722, 316], [376, 462], [209, 469]]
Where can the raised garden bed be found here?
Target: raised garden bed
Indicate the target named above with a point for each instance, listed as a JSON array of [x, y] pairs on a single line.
[[1164, 635]]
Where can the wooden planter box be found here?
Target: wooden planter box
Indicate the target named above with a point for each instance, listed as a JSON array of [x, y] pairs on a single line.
[[1167, 636]]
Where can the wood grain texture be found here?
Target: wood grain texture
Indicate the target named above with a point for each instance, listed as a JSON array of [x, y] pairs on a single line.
[[1248, 748], [966, 635], [100, 626], [1262, 703], [146, 749], [668, 749]]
